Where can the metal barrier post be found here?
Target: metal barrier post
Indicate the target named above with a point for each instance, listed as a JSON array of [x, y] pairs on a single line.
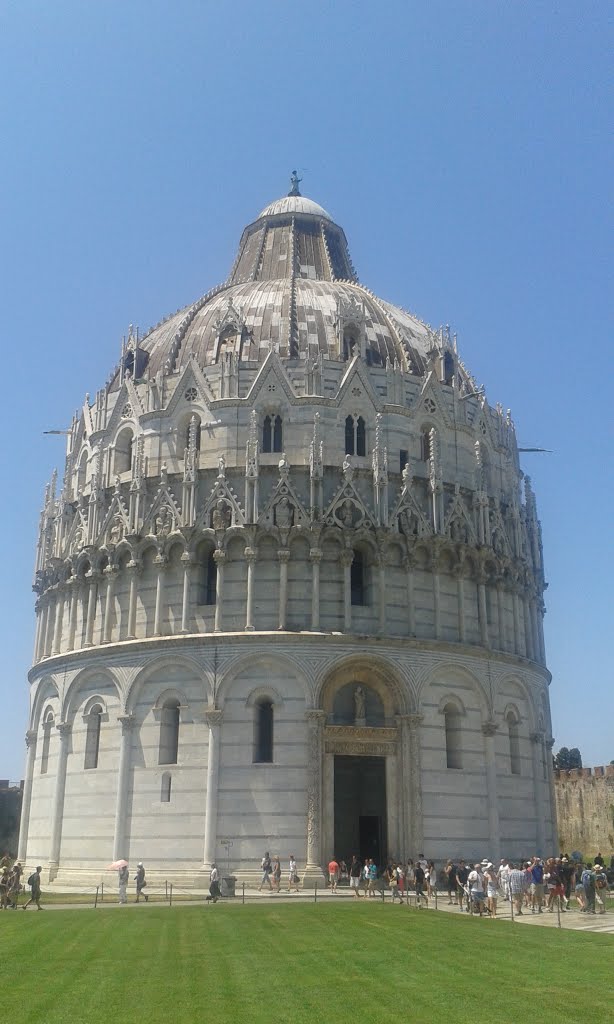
[[243, 895], [558, 910], [166, 890], [171, 895], [96, 898], [512, 907], [382, 893], [101, 892], [435, 897], [315, 893]]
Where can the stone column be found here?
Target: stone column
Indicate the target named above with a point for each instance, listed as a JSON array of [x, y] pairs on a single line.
[[382, 595], [111, 576], [47, 627], [31, 737], [133, 569], [186, 611], [416, 827], [518, 645], [528, 631], [315, 743], [74, 604], [315, 555], [127, 723], [42, 625], [37, 634], [537, 740], [404, 808], [219, 558], [411, 611], [436, 599], [535, 625], [460, 600], [213, 719], [92, 587], [283, 554], [346, 559], [59, 614], [489, 730], [482, 609], [161, 564], [501, 616], [250, 555], [57, 809]]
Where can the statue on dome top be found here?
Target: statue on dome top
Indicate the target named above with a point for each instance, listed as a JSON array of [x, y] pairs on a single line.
[[294, 184]]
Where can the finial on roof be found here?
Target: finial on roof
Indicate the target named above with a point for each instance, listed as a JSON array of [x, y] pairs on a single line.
[[294, 184]]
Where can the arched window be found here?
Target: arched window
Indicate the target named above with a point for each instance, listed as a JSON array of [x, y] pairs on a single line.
[[272, 434], [82, 472], [211, 583], [47, 727], [358, 579], [355, 436], [277, 435], [373, 357], [448, 368], [165, 788], [514, 741], [263, 732], [452, 719], [425, 444], [92, 737], [267, 435], [361, 437], [123, 451], [169, 732]]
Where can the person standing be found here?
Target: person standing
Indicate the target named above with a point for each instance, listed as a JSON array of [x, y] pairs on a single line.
[[419, 877], [355, 873], [4, 887], [15, 884], [292, 875], [462, 874], [34, 881], [450, 873], [492, 889], [476, 888], [601, 887], [588, 881], [372, 878], [276, 874], [333, 874], [140, 882], [537, 886], [518, 880], [123, 876]]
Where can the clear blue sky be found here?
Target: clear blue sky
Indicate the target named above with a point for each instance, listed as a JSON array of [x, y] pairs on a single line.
[[463, 148]]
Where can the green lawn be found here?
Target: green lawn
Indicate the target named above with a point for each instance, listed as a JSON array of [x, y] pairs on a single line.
[[303, 964]]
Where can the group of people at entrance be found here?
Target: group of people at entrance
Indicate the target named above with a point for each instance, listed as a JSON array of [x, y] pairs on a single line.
[[123, 873], [11, 885], [272, 874]]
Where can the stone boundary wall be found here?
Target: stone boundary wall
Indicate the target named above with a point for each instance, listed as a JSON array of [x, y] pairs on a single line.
[[585, 810]]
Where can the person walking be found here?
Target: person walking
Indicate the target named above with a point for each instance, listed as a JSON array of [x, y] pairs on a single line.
[[276, 875], [601, 887], [492, 889], [333, 874], [214, 884], [355, 873], [4, 888], [123, 877], [266, 867], [588, 881], [462, 874], [419, 878], [372, 878], [140, 882], [450, 873], [15, 884], [34, 881], [518, 880]]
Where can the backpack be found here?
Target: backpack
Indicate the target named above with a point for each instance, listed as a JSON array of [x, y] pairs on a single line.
[[33, 879], [588, 878]]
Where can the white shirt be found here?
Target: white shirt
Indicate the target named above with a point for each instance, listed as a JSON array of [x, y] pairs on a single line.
[[215, 875], [476, 881]]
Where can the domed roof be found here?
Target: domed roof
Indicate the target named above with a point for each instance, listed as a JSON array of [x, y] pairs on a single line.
[[293, 289], [294, 204]]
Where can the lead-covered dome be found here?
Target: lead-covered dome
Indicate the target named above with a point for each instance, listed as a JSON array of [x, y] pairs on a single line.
[[292, 289]]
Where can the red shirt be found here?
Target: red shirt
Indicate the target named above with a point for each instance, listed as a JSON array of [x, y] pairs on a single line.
[[333, 867]]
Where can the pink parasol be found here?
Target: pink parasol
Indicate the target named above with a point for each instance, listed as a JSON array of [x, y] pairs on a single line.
[[117, 864]]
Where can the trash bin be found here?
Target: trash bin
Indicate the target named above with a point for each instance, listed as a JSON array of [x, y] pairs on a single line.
[[228, 885]]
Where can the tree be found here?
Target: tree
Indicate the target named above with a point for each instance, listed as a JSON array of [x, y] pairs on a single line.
[[566, 759]]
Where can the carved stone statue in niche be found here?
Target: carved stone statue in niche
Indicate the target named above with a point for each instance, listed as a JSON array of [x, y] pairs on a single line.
[[116, 531], [458, 530], [221, 468], [221, 517], [284, 514], [284, 467], [409, 523], [346, 513], [163, 522], [360, 706], [348, 469]]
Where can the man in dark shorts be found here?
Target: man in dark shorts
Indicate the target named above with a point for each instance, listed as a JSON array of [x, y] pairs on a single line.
[[419, 883], [450, 873], [462, 874], [355, 874], [34, 881]]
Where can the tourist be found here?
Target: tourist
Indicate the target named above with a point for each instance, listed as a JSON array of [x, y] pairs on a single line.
[[333, 874], [554, 883], [365, 875], [492, 888], [15, 884], [518, 881], [476, 888], [537, 886], [599, 861], [214, 884], [450, 873], [140, 882], [123, 877], [419, 877], [276, 875], [371, 889], [462, 875], [343, 873], [601, 887], [588, 881], [504, 878], [4, 887], [292, 875], [355, 873], [430, 876], [266, 868], [34, 881], [568, 876]]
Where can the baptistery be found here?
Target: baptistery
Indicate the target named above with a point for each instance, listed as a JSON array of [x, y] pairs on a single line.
[[290, 592]]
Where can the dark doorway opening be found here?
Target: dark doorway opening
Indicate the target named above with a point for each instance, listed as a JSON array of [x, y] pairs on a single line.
[[360, 808]]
